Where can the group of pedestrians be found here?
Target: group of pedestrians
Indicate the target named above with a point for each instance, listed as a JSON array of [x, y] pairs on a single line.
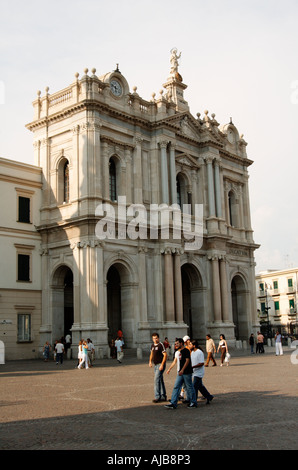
[[60, 348], [117, 346], [189, 360], [259, 342], [86, 354]]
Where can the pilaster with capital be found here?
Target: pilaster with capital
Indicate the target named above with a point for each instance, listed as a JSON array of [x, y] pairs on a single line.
[[178, 286], [164, 173], [173, 173], [217, 187], [137, 171], [169, 285], [216, 288], [210, 180]]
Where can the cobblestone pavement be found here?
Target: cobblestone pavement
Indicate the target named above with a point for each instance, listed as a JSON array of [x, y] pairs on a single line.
[[45, 406]]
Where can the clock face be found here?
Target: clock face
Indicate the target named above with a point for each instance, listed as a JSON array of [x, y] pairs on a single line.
[[116, 87]]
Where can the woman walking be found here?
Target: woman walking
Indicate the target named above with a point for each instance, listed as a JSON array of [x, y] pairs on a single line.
[[223, 347]]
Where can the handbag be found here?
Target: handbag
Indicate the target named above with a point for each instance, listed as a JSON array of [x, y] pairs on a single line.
[[228, 357]]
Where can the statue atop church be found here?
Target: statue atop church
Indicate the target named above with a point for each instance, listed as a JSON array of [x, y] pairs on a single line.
[[174, 61]]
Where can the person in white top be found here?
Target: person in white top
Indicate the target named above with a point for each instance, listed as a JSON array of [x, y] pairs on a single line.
[[223, 347], [197, 362], [59, 352], [278, 344], [119, 346]]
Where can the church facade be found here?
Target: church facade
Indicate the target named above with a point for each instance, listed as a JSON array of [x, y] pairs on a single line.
[[107, 157]]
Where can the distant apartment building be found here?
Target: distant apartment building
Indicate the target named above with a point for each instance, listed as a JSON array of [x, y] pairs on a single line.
[[277, 299], [20, 279]]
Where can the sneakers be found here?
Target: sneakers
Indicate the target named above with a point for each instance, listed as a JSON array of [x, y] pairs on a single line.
[[209, 400], [192, 405], [170, 406], [157, 400]]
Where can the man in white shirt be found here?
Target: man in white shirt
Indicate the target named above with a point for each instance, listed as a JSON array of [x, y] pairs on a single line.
[[197, 362], [59, 352], [119, 346]]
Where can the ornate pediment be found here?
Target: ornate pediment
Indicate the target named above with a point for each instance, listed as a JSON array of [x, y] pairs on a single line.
[[186, 160], [184, 124]]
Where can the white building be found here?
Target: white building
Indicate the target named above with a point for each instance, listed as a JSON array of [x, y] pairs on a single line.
[[97, 142], [277, 299]]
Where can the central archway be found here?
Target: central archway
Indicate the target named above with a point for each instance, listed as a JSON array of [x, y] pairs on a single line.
[[62, 302], [193, 301], [239, 307], [120, 303]]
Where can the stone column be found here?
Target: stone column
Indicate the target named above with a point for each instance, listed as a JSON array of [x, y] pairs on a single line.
[[217, 188], [210, 187], [128, 161], [105, 171], [76, 161], [164, 173], [173, 174], [137, 171], [216, 288], [46, 322], [143, 285], [83, 166], [169, 286], [101, 283], [178, 287], [225, 290]]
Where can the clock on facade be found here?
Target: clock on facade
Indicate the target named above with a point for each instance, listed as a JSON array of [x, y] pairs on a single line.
[[116, 87]]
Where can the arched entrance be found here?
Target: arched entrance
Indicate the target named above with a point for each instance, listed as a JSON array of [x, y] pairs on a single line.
[[120, 303], [62, 302], [193, 301], [239, 307], [114, 302]]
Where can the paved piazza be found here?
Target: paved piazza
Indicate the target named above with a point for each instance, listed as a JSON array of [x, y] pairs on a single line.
[[109, 407]]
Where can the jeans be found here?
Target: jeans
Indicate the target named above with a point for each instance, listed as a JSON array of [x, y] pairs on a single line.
[[159, 386], [185, 379], [59, 357], [199, 387]]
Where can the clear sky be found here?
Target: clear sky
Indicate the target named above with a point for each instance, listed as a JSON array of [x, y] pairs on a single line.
[[239, 59]]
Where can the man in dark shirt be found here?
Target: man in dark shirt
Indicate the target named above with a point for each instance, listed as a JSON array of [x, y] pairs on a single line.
[[184, 376], [158, 356]]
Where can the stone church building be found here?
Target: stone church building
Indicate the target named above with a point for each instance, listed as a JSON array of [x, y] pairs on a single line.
[[96, 142]]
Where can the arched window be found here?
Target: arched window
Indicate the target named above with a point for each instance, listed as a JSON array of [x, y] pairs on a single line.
[[63, 187], [183, 193], [66, 182], [113, 180]]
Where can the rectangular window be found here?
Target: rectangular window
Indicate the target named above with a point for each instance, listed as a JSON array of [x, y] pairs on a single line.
[[24, 327], [290, 282], [291, 303], [263, 306], [276, 305], [24, 210], [275, 284], [261, 286], [23, 267]]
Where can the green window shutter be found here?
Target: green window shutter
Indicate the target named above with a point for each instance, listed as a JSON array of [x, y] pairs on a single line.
[[276, 305]]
